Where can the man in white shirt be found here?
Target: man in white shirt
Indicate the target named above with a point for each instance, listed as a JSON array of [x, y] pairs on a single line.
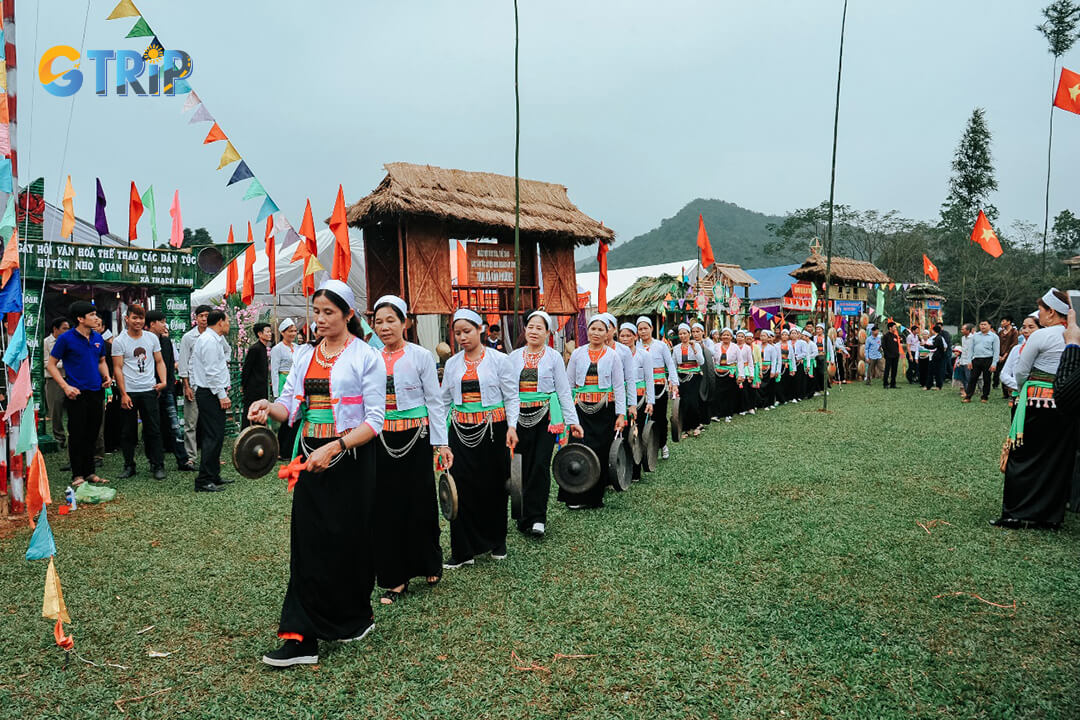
[[183, 362], [54, 395], [137, 365], [208, 377], [965, 355]]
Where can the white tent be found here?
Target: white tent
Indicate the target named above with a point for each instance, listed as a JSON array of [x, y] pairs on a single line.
[[290, 301]]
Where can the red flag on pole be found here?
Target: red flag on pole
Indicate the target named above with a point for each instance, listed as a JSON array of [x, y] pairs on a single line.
[[929, 269], [342, 252], [601, 290], [311, 249], [462, 264], [247, 294], [707, 258], [1068, 92], [230, 272], [984, 236], [271, 258], [135, 211]]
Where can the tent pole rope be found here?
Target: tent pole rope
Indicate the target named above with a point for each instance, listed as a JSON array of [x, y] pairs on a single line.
[[832, 200]]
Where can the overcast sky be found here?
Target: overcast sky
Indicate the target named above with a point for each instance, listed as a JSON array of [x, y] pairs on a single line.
[[637, 107]]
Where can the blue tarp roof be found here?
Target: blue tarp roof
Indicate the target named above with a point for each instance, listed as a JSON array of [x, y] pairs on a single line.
[[773, 282]]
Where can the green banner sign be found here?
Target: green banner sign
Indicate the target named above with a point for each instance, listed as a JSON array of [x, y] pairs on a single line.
[[69, 262], [177, 309]]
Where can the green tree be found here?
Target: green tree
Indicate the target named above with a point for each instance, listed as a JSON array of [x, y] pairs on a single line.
[[1060, 31], [199, 236], [970, 187], [1067, 233]]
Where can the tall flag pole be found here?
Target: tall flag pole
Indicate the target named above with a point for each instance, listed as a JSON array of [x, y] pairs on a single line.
[[9, 62], [517, 181], [832, 196]]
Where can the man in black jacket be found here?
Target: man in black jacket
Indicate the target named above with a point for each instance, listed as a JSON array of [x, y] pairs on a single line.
[[255, 375], [890, 349]]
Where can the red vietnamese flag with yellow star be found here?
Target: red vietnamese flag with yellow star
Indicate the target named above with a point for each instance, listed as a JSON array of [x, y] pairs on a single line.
[[929, 269], [1068, 92], [984, 236]]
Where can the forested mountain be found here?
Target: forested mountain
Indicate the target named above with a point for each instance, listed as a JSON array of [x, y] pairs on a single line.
[[737, 236]]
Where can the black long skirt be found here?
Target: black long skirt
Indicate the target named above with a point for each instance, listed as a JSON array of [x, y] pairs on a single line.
[[660, 414], [599, 430], [690, 403], [535, 445], [767, 390], [819, 374], [802, 382], [726, 396], [331, 574], [286, 438], [1038, 474], [480, 474], [640, 418], [406, 511], [789, 386]]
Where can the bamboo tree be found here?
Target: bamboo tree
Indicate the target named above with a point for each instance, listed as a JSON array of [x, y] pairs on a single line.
[[1060, 31]]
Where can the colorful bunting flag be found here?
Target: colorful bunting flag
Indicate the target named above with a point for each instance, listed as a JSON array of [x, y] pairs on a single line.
[[271, 257], [135, 211], [11, 299], [215, 134], [191, 101], [101, 223], [229, 156], [10, 260], [52, 606], [176, 235], [37, 483], [141, 29], [313, 266], [984, 236], [5, 168], [42, 544], [242, 172], [68, 223], [255, 189], [247, 293], [203, 115], [28, 437], [123, 9], [151, 209], [880, 302], [230, 272], [342, 251], [269, 207], [16, 350]]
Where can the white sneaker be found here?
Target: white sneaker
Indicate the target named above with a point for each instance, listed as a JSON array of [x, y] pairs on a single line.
[[769, 407], [664, 452], [743, 412], [575, 507], [776, 403], [795, 401], [727, 419], [361, 636], [715, 419], [495, 556], [453, 566], [538, 529]]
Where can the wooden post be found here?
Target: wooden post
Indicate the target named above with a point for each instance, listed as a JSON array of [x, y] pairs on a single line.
[[832, 190]]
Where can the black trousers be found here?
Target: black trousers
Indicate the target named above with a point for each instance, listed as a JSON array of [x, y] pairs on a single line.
[[84, 422], [891, 364], [209, 435], [980, 367], [172, 434], [144, 405]]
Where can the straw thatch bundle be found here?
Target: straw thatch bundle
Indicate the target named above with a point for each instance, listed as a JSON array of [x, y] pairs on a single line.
[[477, 204], [844, 270], [646, 296]]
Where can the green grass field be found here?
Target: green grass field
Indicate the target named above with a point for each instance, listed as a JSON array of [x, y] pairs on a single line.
[[774, 568]]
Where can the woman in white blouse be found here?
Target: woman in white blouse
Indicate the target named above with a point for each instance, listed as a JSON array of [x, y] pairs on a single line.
[[281, 360], [689, 360], [482, 392], [641, 380], [547, 409]]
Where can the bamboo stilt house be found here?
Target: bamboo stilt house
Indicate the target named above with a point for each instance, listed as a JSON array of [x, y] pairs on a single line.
[[409, 221]]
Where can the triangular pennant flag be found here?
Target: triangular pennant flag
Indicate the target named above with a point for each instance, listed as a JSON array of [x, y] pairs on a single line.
[[141, 29], [255, 189], [37, 483], [215, 134], [11, 299], [123, 9], [154, 52], [42, 543], [64, 642], [229, 156], [191, 101], [242, 172], [201, 115], [5, 168], [68, 223], [313, 265], [28, 436], [16, 350], [52, 606], [151, 210], [268, 208], [9, 263]]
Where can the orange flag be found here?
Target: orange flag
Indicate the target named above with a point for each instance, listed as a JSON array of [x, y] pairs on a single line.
[[307, 230], [462, 264], [342, 252], [37, 486], [707, 258], [248, 292], [1068, 92], [214, 135], [984, 236], [10, 261], [601, 290], [271, 258], [929, 269], [230, 272], [68, 223], [135, 211]]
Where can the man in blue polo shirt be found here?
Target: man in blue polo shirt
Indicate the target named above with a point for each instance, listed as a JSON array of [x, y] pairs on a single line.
[[82, 350]]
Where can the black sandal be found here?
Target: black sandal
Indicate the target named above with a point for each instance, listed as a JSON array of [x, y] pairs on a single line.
[[391, 596]]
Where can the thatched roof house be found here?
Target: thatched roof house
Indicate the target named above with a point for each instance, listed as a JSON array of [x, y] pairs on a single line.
[[844, 271], [924, 291], [646, 296], [476, 205]]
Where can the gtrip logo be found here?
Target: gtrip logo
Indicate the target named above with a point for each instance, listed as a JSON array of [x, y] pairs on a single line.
[[60, 71]]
